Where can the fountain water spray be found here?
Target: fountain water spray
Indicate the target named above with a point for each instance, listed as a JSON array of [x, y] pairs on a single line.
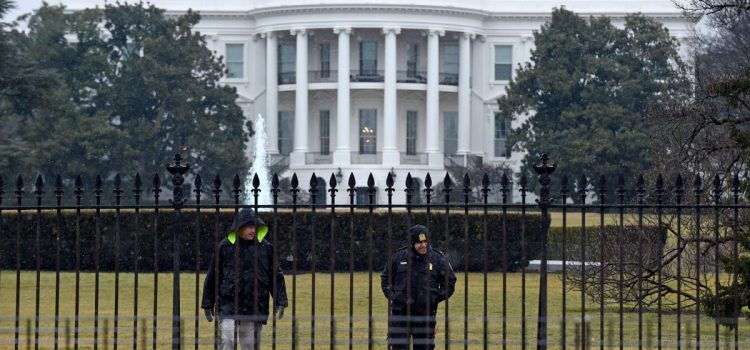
[[260, 168]]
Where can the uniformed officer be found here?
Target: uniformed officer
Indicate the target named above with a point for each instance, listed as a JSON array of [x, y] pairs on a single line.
[[415, 280]]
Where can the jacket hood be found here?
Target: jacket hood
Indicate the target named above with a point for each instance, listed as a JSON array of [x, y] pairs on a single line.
[[247, 217]]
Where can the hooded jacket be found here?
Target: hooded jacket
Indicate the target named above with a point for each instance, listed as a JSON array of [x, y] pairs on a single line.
[[233, 276], [430, 278]]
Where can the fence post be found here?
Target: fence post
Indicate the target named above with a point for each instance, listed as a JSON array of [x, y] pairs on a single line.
[[544, 170], [177, 170]]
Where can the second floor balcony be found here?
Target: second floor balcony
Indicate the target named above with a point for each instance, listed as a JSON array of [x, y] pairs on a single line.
[[367, 76]]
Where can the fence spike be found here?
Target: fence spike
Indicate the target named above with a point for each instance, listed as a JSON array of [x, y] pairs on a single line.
[[78, 187], [409, 183], [236, 183], [256, 181], [58, 186], [216, 187], [19, 188], [295, 181], [659, 183], [564, 185], [157, 182], [717, 188], [467, 181], [583, 186], [118, 188], [352, 182], [39, 187], [389, 180], [2, 185], [428, 181], [659, 188], [313, 182], [198, 184], [371, 183], [602, 185], [447, 182], [698, 184], [275, 186], [98, 184], [137, 185], [486, 181], [332, 182], [735, 184]]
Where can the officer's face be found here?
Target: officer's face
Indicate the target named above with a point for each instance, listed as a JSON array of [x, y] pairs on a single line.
[[247, 232], [421, 247]]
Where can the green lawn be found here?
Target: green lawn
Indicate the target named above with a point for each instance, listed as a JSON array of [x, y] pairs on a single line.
[[323, 294]]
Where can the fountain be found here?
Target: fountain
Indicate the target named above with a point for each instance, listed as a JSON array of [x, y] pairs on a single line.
[[260, 167]]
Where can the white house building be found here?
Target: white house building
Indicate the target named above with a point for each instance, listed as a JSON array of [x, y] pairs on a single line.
[[379, 86]]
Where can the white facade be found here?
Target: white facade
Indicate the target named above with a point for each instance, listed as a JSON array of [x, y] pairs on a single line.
[[386, 85]]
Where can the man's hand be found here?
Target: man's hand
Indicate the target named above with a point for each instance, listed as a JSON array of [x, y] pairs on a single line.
[[209, 314], [280, 312]]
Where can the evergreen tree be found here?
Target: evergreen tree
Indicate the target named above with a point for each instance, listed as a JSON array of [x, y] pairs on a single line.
[[144, 87], [586, 91]]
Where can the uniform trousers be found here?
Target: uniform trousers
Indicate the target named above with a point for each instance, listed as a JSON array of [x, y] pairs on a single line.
[[418, 327]]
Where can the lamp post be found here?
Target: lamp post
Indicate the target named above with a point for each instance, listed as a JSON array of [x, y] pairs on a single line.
[[339, 175]]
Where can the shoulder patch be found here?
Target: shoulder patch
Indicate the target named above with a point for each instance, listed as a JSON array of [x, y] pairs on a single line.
[[438, 251]]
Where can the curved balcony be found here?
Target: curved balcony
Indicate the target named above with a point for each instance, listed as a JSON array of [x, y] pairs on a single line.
[[366, 76], [287, 78], [411, 76], [449, 79], [323, 76]]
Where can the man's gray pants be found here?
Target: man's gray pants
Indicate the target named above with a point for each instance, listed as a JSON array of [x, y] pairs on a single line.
[[248, 334]]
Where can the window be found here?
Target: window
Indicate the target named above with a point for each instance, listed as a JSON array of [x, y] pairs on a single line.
[[411, 60], [325, 60], [367, 131], [368, 58], [450, 58], [287, 61], [450, 132], [411, 132], [325, 132], [502, 126], [286, 132], [449, 74], [363, 196], [503, 62], [235, 61]]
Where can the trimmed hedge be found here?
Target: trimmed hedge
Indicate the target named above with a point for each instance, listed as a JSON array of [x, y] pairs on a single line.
[[652, 237], [161, 226]]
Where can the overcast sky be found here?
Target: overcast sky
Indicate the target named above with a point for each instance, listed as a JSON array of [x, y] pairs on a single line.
[[24, 6]]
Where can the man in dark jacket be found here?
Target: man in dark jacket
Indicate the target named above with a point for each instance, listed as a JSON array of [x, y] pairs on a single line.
[[240, 280], [415, 280]]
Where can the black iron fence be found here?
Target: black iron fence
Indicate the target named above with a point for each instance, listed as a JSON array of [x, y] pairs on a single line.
[[641, 267]]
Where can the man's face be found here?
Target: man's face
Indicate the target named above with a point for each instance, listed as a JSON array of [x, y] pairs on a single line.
[[247, 232], [421, 247]]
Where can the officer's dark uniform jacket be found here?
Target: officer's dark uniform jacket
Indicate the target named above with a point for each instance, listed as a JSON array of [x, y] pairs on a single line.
[[428, 281], [245, 283]]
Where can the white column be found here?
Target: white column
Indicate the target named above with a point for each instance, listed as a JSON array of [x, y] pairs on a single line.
[[297, 158], [272, 93], [391, 155], [432, 146], [464, 94], [342, 154]]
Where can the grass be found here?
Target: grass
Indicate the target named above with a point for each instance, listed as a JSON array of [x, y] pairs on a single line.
[[283, 337]]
